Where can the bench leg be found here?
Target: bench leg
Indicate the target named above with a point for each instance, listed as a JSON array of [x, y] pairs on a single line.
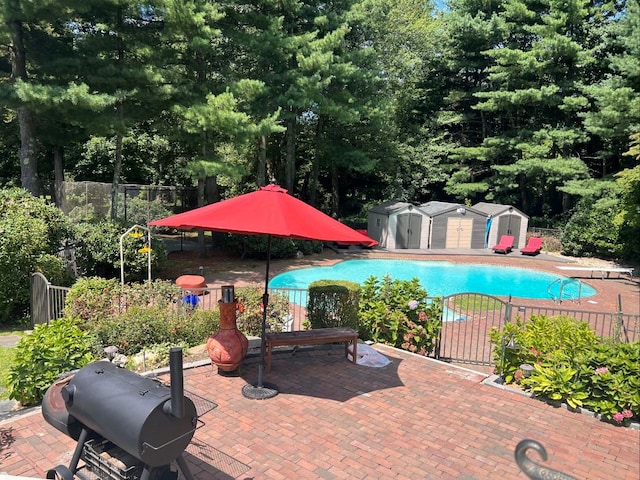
[[354, 358]]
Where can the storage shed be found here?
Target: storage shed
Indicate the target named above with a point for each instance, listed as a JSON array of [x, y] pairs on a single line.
[[504, 220], [398, 225], [454, 225]]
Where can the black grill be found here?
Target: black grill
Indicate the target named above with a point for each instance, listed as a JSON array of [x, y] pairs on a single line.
[[117, 414]]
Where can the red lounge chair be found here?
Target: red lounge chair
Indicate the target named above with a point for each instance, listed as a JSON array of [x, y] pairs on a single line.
[[505, 245], [534, 245]]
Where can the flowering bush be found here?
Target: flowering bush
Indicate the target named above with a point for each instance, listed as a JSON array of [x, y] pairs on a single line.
[[572, 365], [398, 313]]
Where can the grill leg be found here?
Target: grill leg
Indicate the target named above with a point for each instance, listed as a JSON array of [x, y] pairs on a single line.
[[73, 466], [184, 468]]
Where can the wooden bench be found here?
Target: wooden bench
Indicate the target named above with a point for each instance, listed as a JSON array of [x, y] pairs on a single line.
[[601, 270], [311, 337]]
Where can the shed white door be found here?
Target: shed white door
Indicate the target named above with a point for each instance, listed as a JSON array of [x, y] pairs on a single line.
[[408, 230], [459, 231]]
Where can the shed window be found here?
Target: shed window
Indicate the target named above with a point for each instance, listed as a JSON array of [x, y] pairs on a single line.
[[377, 222]]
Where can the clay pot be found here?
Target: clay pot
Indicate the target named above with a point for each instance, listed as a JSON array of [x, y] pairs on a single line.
[[228, 346]]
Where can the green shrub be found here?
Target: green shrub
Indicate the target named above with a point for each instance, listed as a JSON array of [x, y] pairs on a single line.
[[44, 355], [572, 365], [95, 298], [250, 320], [398, 313], [153, 356], [141, 327], [139, 210], [611, 373], [556, 339], [591, 231], [31, 233], [98, 251], [92, 299], [333, 303]]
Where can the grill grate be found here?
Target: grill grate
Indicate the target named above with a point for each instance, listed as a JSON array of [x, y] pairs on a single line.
[[202, 404], [109, 462]]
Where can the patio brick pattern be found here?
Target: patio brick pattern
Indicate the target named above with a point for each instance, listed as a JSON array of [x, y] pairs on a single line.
[[415, 418]]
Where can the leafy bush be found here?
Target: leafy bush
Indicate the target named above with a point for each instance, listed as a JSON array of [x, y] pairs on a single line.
[[333, 303], [611, 374], [558, 339], [44, 355], [398, 313], [139, 210], [250, 320], [153, 356], [98, 251], [591, 231], [572, 365], [142, 327], [92, 299], [31, 233]]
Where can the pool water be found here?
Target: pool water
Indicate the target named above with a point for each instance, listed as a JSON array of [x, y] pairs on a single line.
[[441, 278]]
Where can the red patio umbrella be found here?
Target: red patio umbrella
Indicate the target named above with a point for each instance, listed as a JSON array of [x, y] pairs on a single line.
[[273, 212]]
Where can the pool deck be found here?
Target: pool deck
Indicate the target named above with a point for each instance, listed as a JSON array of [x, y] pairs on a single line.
[[611, 292], [416, 418]]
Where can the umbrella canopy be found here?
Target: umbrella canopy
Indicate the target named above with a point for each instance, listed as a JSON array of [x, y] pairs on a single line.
[[267, 211], [273, 212]]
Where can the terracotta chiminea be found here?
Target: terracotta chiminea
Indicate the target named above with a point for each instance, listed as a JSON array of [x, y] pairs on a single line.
[[228, 346]]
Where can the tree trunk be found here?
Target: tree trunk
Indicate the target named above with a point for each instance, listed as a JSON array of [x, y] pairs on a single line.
[[58, 174], [27, 155], [290, 168], [315, 167], [202, 248], [26, 121], [117, 171], [334, 192], [212, 190], [262, 161]]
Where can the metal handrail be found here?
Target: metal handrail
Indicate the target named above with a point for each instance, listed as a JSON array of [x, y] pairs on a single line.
[[562, 293]]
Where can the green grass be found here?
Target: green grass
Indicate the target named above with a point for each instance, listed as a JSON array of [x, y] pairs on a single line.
[[6, 360], [476, 303]]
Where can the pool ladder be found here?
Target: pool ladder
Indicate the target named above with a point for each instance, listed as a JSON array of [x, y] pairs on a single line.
[[562, 293]]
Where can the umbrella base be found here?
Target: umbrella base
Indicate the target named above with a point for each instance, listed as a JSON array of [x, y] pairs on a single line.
[[267, 390]]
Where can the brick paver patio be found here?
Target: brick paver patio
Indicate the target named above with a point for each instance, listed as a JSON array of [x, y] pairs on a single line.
[[414, 419]]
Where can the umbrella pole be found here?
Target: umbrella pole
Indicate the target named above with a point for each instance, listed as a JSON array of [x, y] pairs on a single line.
[[262, 390]]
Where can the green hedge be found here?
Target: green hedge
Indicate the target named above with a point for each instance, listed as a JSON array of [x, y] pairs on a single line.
[[333, 303]]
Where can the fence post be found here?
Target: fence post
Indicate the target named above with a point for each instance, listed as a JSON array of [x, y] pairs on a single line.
[[507, 311]]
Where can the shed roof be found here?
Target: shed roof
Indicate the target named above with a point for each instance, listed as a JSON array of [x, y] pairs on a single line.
[[390, 206], [495, 209], [438, 208], [435, 207]]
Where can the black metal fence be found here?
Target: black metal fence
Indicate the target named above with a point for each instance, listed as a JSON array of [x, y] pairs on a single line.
[[467, 318]]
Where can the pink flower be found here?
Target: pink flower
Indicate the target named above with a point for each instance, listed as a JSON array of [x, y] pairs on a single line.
[[518, 375], [618, 417], [423, 351], [413, 304], [422, 316], [535, 352], [626, 413], [601, 370]]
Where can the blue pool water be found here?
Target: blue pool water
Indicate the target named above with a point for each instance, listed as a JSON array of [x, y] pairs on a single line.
[[439, 278]]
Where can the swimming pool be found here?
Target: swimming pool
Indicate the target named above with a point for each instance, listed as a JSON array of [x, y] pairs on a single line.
[[439, 278]]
